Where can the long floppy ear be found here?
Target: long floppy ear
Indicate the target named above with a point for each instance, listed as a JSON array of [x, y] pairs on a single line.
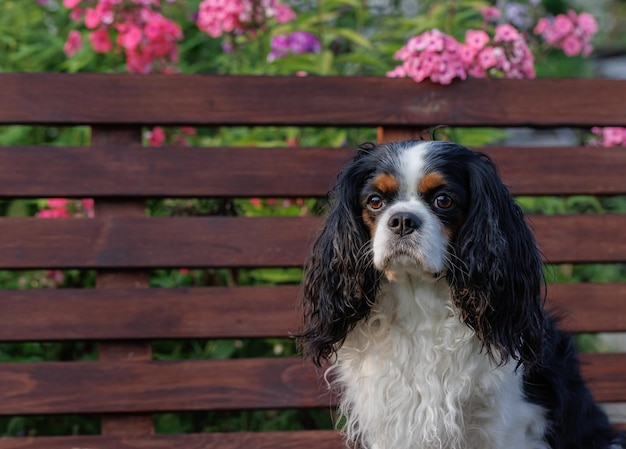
[[498, 286], [340, 280]]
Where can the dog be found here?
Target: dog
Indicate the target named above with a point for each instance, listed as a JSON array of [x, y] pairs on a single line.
[[424, 296]]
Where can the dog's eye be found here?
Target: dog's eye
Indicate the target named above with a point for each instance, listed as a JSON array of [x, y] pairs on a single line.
[[375, 202], [443, 202]]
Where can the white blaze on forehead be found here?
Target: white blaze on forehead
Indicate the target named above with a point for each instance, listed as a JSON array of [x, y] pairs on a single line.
[[412, 167]]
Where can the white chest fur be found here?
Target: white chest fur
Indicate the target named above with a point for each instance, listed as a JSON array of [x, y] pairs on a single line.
[[413, 376]]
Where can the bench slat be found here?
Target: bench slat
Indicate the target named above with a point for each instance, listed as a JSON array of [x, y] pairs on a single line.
[[158, 386], [327, 439], [129, 242], [242, 312], [267, 172], [134, 387], [255, 100]]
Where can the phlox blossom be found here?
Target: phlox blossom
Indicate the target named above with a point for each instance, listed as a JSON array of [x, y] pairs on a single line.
[[610, 136], [432, 54], [490, 13], [441, 58], [295, 43], [148, 39], [69, 4], [570, 32], [100, 40], [216, 17], [73, 44]]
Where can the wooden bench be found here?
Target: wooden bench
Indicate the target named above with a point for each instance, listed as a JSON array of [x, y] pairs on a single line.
[[125, 386]]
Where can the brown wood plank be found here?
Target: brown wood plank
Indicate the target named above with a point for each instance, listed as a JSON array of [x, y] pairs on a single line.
[[154, 242], [255, 100], [266, 172], [129, 242], [168, 172], [589, 307], [149, 386], [581, 238], [321, 439], [122, 313], [220, 312], [131, 387], [131, 351]]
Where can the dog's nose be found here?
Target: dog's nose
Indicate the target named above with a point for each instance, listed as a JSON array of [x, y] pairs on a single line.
[[404, 223]]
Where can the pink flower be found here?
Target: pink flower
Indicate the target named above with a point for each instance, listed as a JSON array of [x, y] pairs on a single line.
[[571, 33], [69, 4], [490, 13], [57, 203], [92, 18], [73, 44], [284, 14], [611, 136], [130, 35], [572, 45], [476, 38], [487, 58], [562, 25], [506, 33], [156, 137], [587, 23], [100, 40]]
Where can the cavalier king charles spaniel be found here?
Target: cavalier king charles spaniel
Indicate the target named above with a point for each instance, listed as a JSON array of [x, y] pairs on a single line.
[[424, 296]]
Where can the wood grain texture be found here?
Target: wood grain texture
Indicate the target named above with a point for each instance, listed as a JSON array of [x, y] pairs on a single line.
[[271, 172], [138, 242], [334, 101], [327, 439], [160, 386], [242, 312]]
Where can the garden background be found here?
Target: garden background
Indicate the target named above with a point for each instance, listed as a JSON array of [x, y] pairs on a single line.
[[429, 41]]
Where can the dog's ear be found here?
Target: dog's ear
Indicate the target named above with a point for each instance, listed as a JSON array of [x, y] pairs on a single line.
[[340, 281], [499, 284]]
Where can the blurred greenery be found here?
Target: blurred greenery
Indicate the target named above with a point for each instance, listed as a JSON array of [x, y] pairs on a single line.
[[358, 38]]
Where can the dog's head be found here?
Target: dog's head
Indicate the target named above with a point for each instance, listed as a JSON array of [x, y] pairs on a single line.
[[429, 212]]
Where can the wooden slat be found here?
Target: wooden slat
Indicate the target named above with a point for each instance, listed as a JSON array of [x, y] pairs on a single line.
[[130, 387], [321, 439], [168, 172], [581, 238], [254, 100], [94, 314], [589, 307], [154, 242], [561, 170], [245, 242], [245, 172], [149, 386], [220, 312]]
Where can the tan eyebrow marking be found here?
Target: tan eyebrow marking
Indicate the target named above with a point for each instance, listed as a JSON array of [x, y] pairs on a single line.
[[386, 183], [430, 182]]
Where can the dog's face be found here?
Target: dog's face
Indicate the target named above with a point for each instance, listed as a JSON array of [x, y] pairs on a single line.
[[432, 211], [413, 208]]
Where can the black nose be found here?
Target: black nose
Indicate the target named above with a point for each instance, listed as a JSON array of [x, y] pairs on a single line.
[[404, 223]]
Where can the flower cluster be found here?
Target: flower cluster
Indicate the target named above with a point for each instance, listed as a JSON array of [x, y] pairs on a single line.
[[295, 43], [216, 17], [64, 208], [572, 33], [148, 39], [610, 136], [441, 58]]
